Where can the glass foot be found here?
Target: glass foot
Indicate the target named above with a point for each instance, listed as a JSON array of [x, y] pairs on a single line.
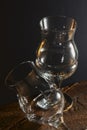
[[68, 102]]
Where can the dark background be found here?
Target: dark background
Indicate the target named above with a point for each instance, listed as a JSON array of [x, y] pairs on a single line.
[[20, 35]]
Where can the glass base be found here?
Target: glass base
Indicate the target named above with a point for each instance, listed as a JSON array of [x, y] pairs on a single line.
[[68, 102]]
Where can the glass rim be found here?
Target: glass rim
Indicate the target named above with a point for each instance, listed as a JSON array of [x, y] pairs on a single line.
[[62, 17], [10, 83]]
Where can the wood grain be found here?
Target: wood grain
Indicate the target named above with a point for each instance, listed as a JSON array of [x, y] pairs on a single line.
[[12, 118]]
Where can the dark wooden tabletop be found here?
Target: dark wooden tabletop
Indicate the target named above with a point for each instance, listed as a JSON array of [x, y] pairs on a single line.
[[12, 118]]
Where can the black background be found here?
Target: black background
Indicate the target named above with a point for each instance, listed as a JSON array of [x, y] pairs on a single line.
[[20, 35]]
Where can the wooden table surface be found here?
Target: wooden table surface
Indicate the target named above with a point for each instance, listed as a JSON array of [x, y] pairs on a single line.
[[12, 118]]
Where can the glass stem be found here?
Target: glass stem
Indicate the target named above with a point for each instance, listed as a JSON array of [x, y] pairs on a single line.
[[58, 81]]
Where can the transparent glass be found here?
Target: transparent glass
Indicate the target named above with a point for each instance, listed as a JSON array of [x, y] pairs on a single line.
[[39, 103], [38, 84], [57, 54]]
